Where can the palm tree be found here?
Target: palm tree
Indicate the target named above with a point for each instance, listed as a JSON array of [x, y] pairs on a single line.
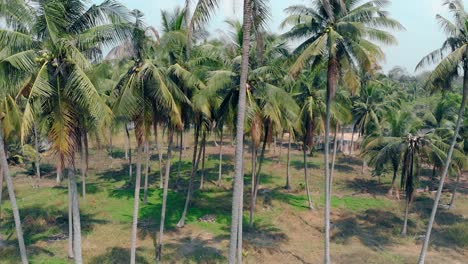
[[452, 56], [140, 89], [335, 32], [10, 121], [53, 41]]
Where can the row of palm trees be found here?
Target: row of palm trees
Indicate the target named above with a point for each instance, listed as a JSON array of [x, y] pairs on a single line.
[[248, 81]]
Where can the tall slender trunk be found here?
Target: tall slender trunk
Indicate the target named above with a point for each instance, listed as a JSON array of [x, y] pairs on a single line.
[[147, 164], [136, 202], [352, 142], [127, 143], [83, 166], [335, 145], [158, 147], [38, 155], [179, 165], [280, 147], [274, 145], [202, 177], [236, 232], [110, 143], [258, 174], [306, 177], [1, 191], [71, 253], [220, 169], [446, 164], [405, 222], [239, 234], [342, 140], [76, 215], [165, 189], [252, 185], [454, 192], [86, 145], [59, 171], [11, 194], [288, 165], [332, 78], [130, 165], [195, 160]]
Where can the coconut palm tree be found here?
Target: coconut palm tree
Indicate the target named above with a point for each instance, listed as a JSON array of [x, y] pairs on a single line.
[[10, 120], [340, 33], [451, 57], [54, 42]]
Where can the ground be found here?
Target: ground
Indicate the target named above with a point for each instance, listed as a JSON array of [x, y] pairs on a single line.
[[366, 223]]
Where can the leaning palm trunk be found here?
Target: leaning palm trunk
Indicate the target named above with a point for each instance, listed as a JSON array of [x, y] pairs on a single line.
[[288, 165], [257, 180], [405, 221], [75, 216], [202, 177], [130, 165], [252, 190], [135, 205], [280, 148], [158, 147], [147, 161], [236, 232], [38, 157], [179, 165], [306, 177], [195, 160], [11, 193], [164, 202], [454, 192], [220, 169], [461, 112]]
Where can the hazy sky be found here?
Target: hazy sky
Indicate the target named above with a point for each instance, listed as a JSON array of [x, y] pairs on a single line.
[[422, 33]]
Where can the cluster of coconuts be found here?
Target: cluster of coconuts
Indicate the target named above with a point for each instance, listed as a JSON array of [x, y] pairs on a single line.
[[46, 57]]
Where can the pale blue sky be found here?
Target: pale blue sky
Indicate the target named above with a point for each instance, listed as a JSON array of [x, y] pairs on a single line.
[[422, 33]]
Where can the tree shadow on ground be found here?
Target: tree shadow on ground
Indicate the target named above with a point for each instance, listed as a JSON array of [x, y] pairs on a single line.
[[47, 224], [117, 255], [350, 160], [299, 164], [423, 207], [370, 186], [375, 228], [189, 250]]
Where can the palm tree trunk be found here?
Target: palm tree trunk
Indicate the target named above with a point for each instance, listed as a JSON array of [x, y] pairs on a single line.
[[306, 177], [136, 202], [11, 194], [83, 166], [38, 155], [179, 165], [461, 112], [71, 254], [280, 147], [257, 180], [195, 161], [332, 79], [335, 145], [202, 178], [454, 192], [405, 222], [127, 143], [352, 143], [252, 189], [165, 190], [158, 147], [59, 171], [110, 143], [288, 165], [86, 144], [147, 161], [220, 169], [76, 215], [342, 139], [236, 232], [1, 191], [130, 165]]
